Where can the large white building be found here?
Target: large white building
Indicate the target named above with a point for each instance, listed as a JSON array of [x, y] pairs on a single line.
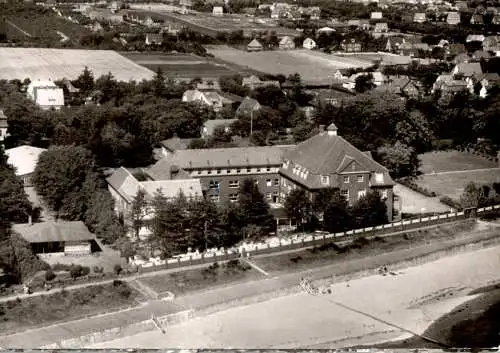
[[46, 94]]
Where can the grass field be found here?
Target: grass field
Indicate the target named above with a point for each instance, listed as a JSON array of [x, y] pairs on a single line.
[[453, 184], [193, 280], [446, 161], [313, 66], [328, 254], [68, 305], [42, 63], [180, 65]]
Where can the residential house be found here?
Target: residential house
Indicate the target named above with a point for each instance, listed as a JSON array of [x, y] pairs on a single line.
[[491, 10], [448, 86], [326, 30], [124, 186], [381, 27], [491, 43], [248, 106], [186, 3], [475, 38], [309, 44], [495, 20], [461, 5], [4, 126], [376, 15], [314, 12], [46, 94], [334, 97], [341, 74], [213, 99], [394, 43], [351, 46], [63, 237], [173, 144], [453, 18], [467, 69], [95, 27], [477, 19], [486, 81], [209, 126], [222, 170], [461, 58], [443, 43], [154, 38], [401, 85], [208, 85], [480, 54], [350, 83], [24, 160], [254, 82], [455, 49], [254, 45], [360, 24], [414, 49], [286, 43], [218, 11], [327, 160], [419, 17]]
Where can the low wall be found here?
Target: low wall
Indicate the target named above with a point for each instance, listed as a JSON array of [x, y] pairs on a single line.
[[121, 332]]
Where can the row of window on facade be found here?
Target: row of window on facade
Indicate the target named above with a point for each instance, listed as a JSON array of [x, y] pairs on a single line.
[[234, 184], [234, 171], [233, 197]]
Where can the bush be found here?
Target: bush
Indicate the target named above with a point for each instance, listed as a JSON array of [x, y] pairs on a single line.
[[448, 201], [98, 269], [49, 275], [296, 259], [359, 242], [117, 269], [415, 187]]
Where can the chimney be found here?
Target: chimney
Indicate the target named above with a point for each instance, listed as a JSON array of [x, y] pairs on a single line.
[[332, 130], [30, 220]]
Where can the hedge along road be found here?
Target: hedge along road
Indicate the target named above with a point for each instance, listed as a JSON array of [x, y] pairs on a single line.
[[189, 267]]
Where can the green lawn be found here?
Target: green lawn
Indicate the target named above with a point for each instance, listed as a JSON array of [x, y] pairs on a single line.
[[193, 280], [453, 185], [66, 305], [445, 161], [328, 255]]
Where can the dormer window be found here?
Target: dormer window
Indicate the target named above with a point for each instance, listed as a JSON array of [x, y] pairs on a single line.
[[379, 178], [325, 179], [346, 179]]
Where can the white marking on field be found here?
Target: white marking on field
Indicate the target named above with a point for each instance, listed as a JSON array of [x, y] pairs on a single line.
[[255, 267]]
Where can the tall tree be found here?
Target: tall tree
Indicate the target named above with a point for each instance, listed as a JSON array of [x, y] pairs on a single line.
[[85, 82], [138, 212], [254, 208], [364, 83], [400, 159], [61, 174], [370, 210], [298, 207], [203, 220], [473, 196], [336, 217]]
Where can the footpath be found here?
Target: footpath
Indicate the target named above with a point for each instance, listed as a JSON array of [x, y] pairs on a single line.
[[223, 298]]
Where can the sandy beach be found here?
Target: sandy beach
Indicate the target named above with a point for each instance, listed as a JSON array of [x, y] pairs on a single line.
[[369, 310]]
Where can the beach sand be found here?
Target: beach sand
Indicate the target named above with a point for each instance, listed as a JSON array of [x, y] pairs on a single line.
[[365, 311]]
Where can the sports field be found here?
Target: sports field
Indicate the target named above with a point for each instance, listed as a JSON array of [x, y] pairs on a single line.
[[55, 64], [364, 311], [447, 161], [313, 66]]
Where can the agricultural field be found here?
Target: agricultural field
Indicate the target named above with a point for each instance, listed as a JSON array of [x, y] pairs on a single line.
[[447, 161], [180, 65], [313, 67], [386, 58], [38, 63], [452, 184]]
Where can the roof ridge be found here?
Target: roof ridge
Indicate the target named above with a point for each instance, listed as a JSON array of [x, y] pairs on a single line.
[[334, 144]]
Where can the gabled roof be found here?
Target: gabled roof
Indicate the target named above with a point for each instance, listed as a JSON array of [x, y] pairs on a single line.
[[481, 54], [254, 44], [3, 120], [286, 40], [51, 231], [24, 158], [325, 154], [191, 188], [469, 69], [248, 105], [175, 143], [210, 125], [124, 183], [475, 38], [325, 29], [491, 77], [222, 158]]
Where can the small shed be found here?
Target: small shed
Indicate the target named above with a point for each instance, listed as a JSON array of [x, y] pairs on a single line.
[[376, 15], [286, 43], [218, 11], [254, 45], [309, 44]]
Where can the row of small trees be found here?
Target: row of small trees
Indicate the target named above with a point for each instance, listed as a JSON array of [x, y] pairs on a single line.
[[334, 210]]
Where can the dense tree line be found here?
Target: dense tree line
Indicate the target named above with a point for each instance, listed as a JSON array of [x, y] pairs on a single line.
[[334, 211], [201, 224]]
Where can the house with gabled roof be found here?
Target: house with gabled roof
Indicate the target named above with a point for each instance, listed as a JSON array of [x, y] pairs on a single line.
[[218, 11], [327, 160], [461, 58], [173, 144], [255, 45], [467, 69], [209, 126], [491, 43], [394, 43], [495, 20], [453, 18], [286, 43], [46, 94], [248, 106], [376, 15], [381, 27], [309, 43], [212, 99], [485, 80], [477, 19], [419, 17], [475, 38], [254, 82], [154, 38], [4, 125]]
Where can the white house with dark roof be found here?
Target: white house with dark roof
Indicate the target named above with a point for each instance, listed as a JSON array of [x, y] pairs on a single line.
[[327, 160], [209, 126], [24, 160], [46, 94], [124, 186], [309, 43]]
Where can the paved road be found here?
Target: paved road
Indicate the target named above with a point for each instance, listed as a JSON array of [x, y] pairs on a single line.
[[224, 297], [415, 202]]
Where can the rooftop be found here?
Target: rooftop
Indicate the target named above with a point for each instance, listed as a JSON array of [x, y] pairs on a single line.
[[23, 158], [210, 125], [52, 231]]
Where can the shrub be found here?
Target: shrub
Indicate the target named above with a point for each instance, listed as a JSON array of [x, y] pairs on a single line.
[[415, 187], [117, 269], [359, 242], [85, 270], [448, 201], [296, 259], [98, 269], [49, 275], [76, 271]]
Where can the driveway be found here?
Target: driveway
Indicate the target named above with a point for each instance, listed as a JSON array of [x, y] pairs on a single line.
[[415, 202]]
